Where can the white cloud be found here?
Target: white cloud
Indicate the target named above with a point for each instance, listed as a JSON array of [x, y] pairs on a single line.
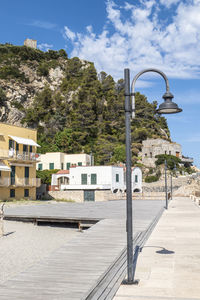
[[69, 34], [42, 24], [168, 3], [45, 46], [139, 38]]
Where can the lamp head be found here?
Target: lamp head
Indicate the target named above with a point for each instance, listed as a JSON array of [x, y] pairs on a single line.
[[168, 107]]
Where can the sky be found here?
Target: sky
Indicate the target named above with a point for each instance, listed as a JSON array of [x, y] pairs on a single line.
[[118, 34]]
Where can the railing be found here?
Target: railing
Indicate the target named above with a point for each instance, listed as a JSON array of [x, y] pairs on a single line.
[[19, 156], [4, 181], [35, 182], [187, 159]]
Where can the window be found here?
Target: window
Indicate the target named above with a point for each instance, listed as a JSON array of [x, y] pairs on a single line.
[[136, 178], [26, 193], [165, 152], [93, 178], [83, 178], [51, 166], [40, 167], [31, 149], [117, 177], [25, 148], [0, 173], [170, 152], [12, 193], [11, 144], [26, 175], [79, 163], [151, 154], [62, 166], [145, 155], [17, 147], [68, 165]]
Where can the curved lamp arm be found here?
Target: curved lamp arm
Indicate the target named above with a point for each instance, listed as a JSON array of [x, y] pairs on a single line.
[[135, 79]]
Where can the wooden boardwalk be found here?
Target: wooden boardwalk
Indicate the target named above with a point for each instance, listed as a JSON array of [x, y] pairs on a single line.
[[90, 266]]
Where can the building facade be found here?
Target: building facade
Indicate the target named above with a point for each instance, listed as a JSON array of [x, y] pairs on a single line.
[[63, 161], [90, 178], [18, 159], [153, 147]]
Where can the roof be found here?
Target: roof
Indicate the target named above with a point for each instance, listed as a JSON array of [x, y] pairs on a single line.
[[24, 141], [63, 172]]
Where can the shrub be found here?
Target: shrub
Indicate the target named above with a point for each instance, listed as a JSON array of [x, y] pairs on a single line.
[[152, 178]]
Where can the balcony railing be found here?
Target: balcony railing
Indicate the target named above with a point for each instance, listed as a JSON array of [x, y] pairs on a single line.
[[19, 156], [20, 182]]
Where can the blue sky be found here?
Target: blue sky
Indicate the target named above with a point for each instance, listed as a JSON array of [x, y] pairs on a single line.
[[118, 34]]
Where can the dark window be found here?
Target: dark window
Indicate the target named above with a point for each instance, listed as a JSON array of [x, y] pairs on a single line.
[[0, 173], [68, 165], [93, 178], [145, 155], [26, 175], [83, 178], [26, 193], [170, 152], [151, 154], [12, 175], [40, 167], [136, 178], [62, 166], [12, 193], [17, 147], [117, 177], [79, 163], [11, 144], [31, 149], [25, 148], [51, 166], [165, 152]]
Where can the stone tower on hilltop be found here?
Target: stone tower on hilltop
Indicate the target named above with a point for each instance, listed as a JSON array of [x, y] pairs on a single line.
[[30, 43]]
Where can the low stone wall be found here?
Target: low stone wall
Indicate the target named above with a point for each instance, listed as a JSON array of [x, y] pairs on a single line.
[[75, 195], [78, 195]]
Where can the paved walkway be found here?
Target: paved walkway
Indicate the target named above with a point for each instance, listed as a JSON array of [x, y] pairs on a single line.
[[79, 266], [169, 265]]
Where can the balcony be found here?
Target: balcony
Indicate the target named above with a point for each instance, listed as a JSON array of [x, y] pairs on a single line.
[[185, 159], [20, 182], [19, 156]]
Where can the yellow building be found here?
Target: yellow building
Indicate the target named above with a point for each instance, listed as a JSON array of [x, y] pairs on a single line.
[[18, 159]]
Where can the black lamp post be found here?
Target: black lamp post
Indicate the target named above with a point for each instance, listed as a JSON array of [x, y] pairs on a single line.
[[168, 107]]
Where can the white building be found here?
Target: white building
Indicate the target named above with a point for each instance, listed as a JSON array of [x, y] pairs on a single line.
[[137, 180], [63, 161], [91, 178]]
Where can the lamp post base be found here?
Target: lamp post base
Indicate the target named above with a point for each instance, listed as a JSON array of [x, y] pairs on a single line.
[[126, 282]]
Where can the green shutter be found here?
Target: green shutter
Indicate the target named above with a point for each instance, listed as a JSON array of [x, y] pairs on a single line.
[[83, 178], [117, 177], [40, 167], [68, 165], [79, 163], [51, 166], [93, 178]]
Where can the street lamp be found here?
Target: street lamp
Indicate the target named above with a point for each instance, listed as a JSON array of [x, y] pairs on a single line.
[[168, 107]]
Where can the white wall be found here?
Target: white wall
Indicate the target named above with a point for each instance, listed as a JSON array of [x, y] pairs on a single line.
[[136, 172], [58, 158], [106, 177]]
